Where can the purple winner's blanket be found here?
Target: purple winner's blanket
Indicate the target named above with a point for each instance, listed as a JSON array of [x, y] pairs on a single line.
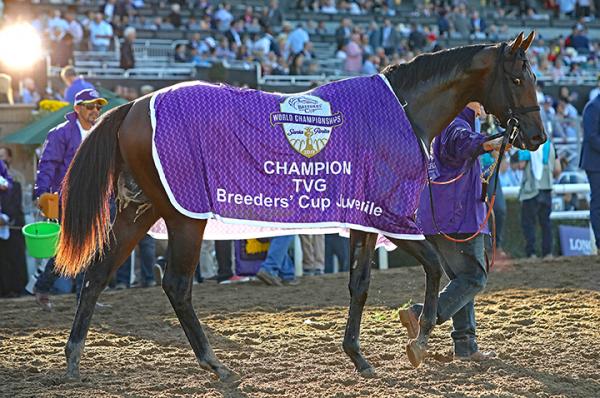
[[340, 156]]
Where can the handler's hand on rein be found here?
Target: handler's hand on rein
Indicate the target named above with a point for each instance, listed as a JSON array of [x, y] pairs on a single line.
[[495, 144]]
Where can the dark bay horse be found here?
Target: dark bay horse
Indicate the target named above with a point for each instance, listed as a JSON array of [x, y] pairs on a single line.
[[116, 159]]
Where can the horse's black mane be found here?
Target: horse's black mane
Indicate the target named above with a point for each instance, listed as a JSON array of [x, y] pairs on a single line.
[[423, 67]]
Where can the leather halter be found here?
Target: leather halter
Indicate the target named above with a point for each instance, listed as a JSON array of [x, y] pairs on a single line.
[[513, 112]]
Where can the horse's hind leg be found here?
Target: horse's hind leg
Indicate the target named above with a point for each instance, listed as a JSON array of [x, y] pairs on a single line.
[[427, 255], [362, 247], [185, 239], [125, 234]]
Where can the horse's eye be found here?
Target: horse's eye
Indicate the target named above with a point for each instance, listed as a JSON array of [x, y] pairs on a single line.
[[517, 82]]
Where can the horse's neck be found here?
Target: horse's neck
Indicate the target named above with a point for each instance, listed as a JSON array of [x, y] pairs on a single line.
[[432, 110], [435, 101]]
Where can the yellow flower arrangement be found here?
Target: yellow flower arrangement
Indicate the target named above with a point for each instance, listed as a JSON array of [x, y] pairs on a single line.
[[52, 105]]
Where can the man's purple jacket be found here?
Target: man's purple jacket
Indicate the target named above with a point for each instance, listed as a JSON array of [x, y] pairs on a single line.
[[4, 173], [458, 206], [59, 149], [7, 177]]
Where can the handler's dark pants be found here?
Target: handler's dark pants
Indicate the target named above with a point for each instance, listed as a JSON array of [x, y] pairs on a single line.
[[49, 276], [536, 210], [336, 245], [223, 250], [464, 264], [147, 255], [594, 179]]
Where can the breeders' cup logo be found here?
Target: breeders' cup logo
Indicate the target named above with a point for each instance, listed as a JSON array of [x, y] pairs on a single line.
[[306, 104], [307, 122]]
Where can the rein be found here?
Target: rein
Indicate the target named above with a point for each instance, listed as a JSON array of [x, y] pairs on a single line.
[[506, 137]]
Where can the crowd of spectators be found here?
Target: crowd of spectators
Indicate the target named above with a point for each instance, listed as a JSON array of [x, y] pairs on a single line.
[[261, 34]]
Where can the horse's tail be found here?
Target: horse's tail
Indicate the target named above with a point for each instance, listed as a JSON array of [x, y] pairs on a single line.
[[86, 191]]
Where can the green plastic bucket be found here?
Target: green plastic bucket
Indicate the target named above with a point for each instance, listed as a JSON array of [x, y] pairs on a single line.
[[41, 239]]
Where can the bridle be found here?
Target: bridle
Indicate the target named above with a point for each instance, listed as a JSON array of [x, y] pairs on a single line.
[[513, 112]]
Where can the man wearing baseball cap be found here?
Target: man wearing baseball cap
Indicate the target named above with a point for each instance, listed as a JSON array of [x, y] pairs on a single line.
[[58, 152]]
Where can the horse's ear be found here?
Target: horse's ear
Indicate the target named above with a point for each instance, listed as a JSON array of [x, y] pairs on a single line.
[[527, 42], [514, 46]]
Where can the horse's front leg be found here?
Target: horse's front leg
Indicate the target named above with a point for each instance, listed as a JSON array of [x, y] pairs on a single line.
[[427, 255], [362, 247]]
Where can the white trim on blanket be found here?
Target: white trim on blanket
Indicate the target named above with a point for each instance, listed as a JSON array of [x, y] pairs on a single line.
[[267, 224], [257, 234]]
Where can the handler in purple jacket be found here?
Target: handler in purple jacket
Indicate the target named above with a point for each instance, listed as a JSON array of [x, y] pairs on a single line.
[[459, 212], [59, 149]]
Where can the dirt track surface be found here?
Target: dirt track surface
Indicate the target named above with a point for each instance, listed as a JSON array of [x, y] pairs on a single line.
[[543, 320]]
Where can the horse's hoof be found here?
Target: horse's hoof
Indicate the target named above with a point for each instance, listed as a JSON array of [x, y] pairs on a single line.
[[71, 377], [368, 373], [415, 353], [229, 377]]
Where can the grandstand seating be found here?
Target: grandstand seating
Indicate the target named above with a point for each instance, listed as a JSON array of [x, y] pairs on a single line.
[[154, 49]]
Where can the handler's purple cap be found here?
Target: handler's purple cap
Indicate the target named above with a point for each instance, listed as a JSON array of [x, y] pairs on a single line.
[[88, 96]]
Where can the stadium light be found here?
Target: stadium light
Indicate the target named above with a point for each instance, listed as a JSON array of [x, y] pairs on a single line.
[[20, 46]]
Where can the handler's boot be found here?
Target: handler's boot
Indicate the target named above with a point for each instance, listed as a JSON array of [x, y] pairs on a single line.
[[478, 356], [269, 279], [410, 320]]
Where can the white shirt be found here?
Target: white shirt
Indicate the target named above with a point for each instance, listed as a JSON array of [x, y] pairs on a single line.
[[225, 18], [84, 133], [566, 5], [296, 40], [76, 31], [58, 22], [263, 45], [4, 229], [109, 10], [236, 37], [100, 29]]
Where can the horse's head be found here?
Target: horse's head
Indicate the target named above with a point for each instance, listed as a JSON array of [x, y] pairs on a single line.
[[511, 93]]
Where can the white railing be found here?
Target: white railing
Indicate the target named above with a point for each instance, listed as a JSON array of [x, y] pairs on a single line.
[[559, 189], [510, 192], [187, 71]]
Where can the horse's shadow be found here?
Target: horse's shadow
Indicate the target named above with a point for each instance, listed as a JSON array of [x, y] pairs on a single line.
[[457, 372], [44, 382]]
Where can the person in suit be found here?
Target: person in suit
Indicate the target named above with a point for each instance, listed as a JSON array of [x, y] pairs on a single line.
[[590, 160], [343, 32], [389, 37]]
